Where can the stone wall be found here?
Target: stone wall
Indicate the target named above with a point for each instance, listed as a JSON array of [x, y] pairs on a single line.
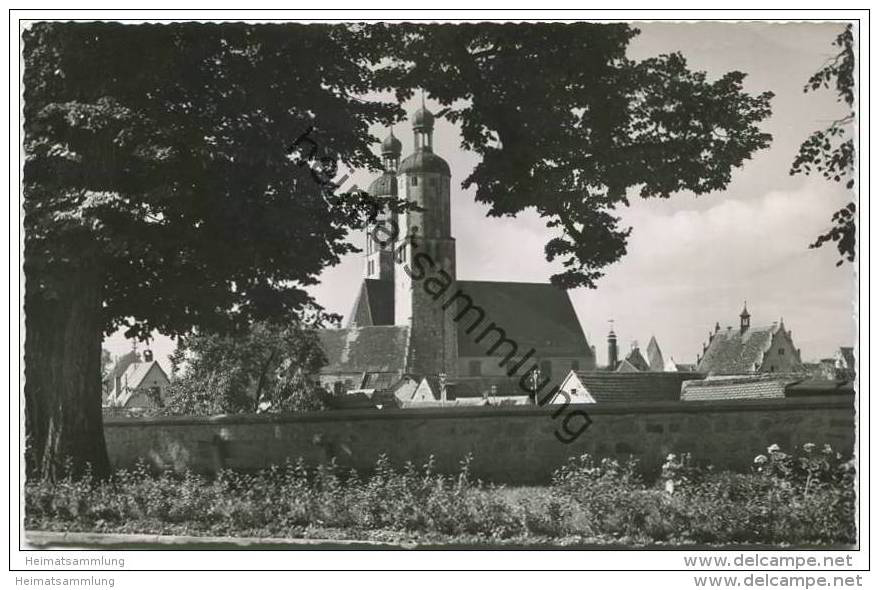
[[509, 444]]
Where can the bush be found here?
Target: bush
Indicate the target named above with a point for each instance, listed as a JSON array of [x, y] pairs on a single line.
[[801, 498]]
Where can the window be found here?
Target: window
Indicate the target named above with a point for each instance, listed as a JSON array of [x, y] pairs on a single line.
[[781, 350], [414, 181], [545, 369], [370, 267], [475, 368], [575, 365]]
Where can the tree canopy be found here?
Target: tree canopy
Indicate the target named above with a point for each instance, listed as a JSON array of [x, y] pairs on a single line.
[[567, 125], [268, 368], [831, 151]]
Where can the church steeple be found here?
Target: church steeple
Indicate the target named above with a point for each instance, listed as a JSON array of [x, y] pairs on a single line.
[[424, 179], [422, 125], [391, 150]]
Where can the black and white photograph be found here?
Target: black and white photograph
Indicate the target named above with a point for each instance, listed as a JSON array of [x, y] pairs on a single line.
[[440, 284]]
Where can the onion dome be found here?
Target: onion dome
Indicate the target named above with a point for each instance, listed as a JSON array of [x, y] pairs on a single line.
[[424, 161], [422, 120], [383, 186], [391, 146]]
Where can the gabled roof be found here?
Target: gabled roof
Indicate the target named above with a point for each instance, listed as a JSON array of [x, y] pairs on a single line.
[[738, 387], [380, 349], [732, 352], [635, 361], [654, 356], [374, 305], [610, 387], [537, 315], [132, 378], [625, 366]]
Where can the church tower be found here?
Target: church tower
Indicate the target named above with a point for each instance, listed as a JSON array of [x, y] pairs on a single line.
[[426, 256], [380, 236]]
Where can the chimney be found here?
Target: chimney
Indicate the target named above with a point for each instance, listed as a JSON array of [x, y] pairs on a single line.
[[147, 356], [612, 351]]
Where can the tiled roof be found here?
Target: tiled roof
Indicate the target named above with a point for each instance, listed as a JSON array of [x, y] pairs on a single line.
[[820, 387], [609, 387], [380, 349], [537, 315], [374, 305], [740, 387], [732, 352]]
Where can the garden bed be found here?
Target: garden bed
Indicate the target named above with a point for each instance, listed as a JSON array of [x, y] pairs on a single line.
[[798, 499]]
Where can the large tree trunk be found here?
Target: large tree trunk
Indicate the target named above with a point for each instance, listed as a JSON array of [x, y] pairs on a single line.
[[63, 420]]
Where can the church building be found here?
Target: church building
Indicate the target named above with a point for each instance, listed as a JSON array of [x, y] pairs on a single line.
[[413, 317]]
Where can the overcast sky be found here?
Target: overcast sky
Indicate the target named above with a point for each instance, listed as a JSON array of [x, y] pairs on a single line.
[[691, 262]]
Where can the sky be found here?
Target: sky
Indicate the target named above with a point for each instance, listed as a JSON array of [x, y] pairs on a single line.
[[691, 262]]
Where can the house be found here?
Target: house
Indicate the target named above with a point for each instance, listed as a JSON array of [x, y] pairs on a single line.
[[142, 384], [749, 350], [590, 387]]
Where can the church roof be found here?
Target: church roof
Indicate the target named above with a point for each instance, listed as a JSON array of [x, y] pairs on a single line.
[[605, 386], [424, 160], [374, 305], [733, 352], [391, 146], [380, 349], [384, 185], [422, 119], [537, 315]]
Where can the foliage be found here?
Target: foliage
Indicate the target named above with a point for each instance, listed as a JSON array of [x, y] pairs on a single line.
[[831, 151], [267, 367], [598, 129], [159, 195], [170, 178], [794, 499]]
